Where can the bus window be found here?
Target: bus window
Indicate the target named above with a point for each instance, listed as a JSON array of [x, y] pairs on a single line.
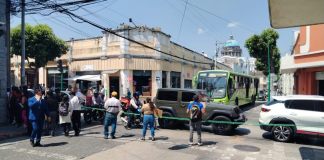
[[230, 88]]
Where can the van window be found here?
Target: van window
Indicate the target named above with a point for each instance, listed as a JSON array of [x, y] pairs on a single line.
[[187, 96], [168, 95]]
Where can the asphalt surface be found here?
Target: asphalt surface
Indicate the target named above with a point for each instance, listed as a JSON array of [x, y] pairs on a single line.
[[248, 142]]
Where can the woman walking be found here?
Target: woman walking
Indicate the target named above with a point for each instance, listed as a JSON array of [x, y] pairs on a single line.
[[65, 115], [148, 119]]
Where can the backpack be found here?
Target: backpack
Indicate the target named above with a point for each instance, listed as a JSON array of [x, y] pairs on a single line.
[[196, 114], [64, 109]]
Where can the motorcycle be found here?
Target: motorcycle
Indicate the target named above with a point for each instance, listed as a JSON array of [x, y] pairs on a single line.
[[127, 114], [95, 113]]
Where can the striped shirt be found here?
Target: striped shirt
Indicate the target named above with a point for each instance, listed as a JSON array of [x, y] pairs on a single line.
[[113, 105]]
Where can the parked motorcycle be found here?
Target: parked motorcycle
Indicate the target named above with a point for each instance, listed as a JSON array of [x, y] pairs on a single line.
[[127, 115], [94, 113]]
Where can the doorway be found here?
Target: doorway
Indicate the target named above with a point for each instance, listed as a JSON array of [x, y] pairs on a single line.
[[321, 87], [114, 84]]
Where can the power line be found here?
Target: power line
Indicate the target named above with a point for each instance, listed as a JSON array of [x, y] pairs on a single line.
[[219, 17], [183, 15], [65, 11], [76, 29]]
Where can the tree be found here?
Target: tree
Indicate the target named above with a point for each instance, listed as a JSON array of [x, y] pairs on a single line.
[[41, 45], [257, 46]]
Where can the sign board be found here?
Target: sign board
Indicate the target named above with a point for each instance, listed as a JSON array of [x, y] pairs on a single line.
[[292, 13], [87, 68], [319, 76]]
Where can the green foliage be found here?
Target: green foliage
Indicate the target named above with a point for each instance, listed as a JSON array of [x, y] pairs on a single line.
[[257, 46], [41, 44]]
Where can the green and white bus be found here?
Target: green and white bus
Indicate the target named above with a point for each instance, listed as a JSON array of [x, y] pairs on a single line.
[[227, 87]]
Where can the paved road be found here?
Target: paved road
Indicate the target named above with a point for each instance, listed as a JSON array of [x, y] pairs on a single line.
[[248, 143]]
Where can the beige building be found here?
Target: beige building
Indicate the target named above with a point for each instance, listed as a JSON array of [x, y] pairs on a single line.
[[121, 65]]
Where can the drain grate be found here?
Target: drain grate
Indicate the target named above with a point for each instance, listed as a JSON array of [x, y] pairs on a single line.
[[247, 148]]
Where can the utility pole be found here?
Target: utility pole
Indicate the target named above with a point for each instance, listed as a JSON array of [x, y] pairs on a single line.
[[216, 54], [269, 72], [23, 51]]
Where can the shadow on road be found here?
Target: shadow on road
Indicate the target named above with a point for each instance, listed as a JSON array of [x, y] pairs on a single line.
[[241, 132], [55, 144], [179, 147], [311, 153]]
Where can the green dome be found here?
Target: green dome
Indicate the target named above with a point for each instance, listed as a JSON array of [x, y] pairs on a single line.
[[231, 42]]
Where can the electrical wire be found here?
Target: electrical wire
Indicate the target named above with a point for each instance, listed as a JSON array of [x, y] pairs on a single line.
[[183, 15], [65, 11]]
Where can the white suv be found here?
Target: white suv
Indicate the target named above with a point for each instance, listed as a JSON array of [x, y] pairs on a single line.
[[286, 116]]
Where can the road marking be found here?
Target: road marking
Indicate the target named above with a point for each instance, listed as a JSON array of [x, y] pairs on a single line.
[[39, 153]]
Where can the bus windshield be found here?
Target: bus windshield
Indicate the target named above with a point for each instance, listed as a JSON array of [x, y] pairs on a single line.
[[213, 83]]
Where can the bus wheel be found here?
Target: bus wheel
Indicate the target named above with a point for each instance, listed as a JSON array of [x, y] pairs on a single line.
[[236, 101]]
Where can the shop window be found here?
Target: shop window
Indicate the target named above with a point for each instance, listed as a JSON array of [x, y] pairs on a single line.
[[54, 78], [175, 80], [187, 83], [142, 82]]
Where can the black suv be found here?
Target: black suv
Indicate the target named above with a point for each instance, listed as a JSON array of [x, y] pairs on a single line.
[[174, 103]]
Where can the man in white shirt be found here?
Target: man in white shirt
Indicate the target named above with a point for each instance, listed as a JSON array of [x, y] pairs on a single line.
[[112, 106], [76, 113]]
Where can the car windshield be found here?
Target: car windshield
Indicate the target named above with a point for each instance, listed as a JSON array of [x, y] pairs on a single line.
[[213, 83]]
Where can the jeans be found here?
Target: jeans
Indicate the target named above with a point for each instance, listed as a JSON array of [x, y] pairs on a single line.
[[37, 130], [66, 127], [195, 126], [76, 121], [148, 120], [110, 120]]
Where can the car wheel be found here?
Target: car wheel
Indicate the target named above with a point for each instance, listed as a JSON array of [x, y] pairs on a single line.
[[165, 122], [282, 133], [222, 128]]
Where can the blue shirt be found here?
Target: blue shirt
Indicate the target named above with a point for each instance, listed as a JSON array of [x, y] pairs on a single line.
[[37, 109], [200, 105]]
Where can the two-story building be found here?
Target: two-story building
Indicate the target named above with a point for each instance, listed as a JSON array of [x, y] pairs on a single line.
[[121, 65], [307, 61]]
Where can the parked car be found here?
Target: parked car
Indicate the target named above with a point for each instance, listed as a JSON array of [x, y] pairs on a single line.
[[286, 116], [262, 95], [174, 103]]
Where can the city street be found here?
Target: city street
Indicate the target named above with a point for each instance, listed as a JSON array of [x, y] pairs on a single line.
[[248, 142]]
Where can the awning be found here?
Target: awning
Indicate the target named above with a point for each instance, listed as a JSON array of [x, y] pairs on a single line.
[[85, 78]]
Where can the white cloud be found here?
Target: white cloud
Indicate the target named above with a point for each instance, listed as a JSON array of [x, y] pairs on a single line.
[[200, 31], [232, 24]]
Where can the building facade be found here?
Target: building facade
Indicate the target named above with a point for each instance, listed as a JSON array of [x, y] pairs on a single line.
[[307, 60], [123, 66], [231, 55]]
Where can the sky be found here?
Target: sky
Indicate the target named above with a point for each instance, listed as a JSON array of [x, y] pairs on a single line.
[[197, 25]]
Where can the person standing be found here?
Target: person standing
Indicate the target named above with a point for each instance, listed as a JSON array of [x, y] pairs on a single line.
[[148, 119], [135, 105], [76, 113], [53, 109], [112, 106], [65, 115], [37, 111], [195, 109]]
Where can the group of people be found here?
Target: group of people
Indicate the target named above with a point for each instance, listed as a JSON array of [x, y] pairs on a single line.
[[195, 110], [51, 108]]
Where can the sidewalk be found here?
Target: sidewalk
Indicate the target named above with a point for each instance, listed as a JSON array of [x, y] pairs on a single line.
[[138, 151], [10, 131]]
